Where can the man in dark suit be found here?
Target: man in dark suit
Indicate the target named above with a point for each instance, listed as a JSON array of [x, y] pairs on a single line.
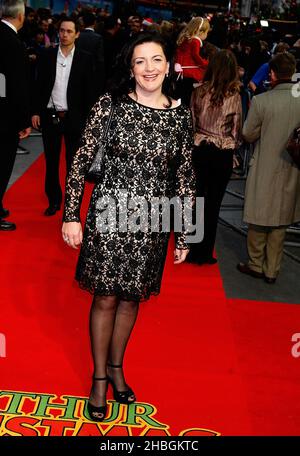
[[63, 97], [92, 42], [14, 95], [113, 39]]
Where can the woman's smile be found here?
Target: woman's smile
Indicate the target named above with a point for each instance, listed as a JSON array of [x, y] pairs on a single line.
[[149, 67]]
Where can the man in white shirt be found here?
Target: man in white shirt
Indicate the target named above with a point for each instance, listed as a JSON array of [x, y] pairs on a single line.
[[63, 97]]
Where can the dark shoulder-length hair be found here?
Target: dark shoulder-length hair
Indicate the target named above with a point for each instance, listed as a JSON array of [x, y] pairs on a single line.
[[122, 83], [221, 78]]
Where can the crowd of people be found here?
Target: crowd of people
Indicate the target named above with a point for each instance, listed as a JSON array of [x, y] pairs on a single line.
[[176, 99]]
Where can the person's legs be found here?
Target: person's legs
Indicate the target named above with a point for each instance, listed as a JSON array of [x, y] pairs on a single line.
[[256, 245], [102, 318], [8, 147], [213, 169], [52, 136], [126, 315], [219, 172], [274, 251]]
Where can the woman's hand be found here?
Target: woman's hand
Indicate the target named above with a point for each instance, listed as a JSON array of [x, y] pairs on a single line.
[[72, 234], [180, 255]]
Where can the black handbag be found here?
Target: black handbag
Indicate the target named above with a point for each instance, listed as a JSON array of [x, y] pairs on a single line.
[[293, 146], [95, 171]]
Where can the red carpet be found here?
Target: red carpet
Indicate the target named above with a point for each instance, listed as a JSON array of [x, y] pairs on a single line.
[[199, 363]]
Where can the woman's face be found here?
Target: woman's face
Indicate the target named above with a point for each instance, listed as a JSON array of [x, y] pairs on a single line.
[[149, 66]]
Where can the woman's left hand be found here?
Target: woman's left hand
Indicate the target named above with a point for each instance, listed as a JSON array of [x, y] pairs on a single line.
[[72, 234], [180, 255]]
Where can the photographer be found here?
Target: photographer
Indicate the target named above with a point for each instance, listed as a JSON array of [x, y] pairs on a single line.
[[64, 94]]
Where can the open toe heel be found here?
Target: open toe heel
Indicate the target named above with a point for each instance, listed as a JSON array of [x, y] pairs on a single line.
[[97, 413], [123, 397]]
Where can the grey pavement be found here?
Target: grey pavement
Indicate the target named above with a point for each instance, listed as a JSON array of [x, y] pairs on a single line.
[[34, 145], [231, 248]]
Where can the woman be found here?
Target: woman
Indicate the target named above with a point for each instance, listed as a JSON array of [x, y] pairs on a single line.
[[217, 113], [188, 59], [148, 154]]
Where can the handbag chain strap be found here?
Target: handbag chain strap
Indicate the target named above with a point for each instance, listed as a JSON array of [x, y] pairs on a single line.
[[105, 132]]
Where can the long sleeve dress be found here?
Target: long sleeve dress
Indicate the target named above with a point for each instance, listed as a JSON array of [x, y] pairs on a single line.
[[148, 155]]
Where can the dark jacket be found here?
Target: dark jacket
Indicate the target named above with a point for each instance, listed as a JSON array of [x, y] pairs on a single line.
[[14, 69], [81, 87], [92, 42]]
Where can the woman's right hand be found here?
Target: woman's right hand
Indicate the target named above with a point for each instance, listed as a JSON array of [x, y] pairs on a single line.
[[72, 234]]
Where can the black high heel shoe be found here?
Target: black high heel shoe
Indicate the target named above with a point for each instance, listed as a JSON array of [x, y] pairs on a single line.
[[93, 410], [121, 396]]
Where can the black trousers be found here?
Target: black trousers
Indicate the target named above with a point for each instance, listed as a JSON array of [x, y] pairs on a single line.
[[184, 90], [213, 167], [8, 149], [52, 138]]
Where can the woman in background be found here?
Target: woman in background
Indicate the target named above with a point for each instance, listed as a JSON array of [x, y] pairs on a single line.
[[217, 115]]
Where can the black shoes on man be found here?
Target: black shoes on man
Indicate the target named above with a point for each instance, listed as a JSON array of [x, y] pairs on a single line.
[[4, 224], [9, 226]]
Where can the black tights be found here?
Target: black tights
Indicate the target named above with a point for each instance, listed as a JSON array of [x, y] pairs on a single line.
[[111, 323]]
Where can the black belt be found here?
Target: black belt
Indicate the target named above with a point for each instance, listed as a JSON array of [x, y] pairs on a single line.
[[62, 114]]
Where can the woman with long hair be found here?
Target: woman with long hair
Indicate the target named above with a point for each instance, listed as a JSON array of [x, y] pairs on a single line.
[[148, 156], [217, 116], [189, 63]]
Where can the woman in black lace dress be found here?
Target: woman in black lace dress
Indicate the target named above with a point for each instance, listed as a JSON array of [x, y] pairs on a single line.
[[148, 156]]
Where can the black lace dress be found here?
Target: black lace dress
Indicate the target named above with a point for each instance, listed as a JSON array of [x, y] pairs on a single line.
[[148, 155]]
